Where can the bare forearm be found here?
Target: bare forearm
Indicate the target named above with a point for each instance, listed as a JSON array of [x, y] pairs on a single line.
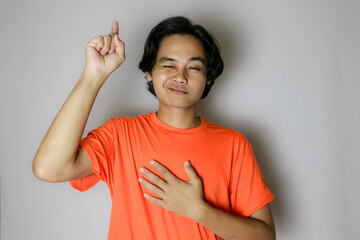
[[58, 157], [230, 227], [60, 144]]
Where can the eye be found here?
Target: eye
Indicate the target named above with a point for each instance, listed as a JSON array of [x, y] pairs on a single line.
[[168, 66], [195, 68]]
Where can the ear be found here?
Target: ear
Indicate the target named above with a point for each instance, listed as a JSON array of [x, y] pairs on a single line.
[[148, 76], [208, 82]]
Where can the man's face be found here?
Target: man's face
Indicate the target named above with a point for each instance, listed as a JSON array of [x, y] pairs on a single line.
[[179, 74]]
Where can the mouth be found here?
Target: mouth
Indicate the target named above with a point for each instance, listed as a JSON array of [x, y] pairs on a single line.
[[178, 91]]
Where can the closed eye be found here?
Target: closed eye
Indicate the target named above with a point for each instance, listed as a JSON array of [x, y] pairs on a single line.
[[196, 69]]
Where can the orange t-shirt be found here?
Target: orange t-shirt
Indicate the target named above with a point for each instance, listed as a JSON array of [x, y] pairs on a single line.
[[222, 157]]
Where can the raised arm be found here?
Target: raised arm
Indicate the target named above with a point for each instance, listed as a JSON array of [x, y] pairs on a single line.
[[59, 157]]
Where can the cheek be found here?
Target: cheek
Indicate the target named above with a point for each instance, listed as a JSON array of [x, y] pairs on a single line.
[[158, 83], [160, 76], [201, 82]]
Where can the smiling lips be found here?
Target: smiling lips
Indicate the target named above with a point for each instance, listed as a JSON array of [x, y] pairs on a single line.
[[177, 89]]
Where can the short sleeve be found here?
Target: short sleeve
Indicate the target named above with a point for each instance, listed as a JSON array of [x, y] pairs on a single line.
[[99, 146], [248, 192]]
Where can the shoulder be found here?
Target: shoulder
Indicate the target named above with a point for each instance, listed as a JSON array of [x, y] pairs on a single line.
[[224, 131], [227, 137], [230, 143], [127, 121]]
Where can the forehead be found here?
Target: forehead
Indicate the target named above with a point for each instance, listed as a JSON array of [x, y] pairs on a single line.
[[181, 46]]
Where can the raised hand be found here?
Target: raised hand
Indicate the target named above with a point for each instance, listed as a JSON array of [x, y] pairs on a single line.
[[59, 157], [183, 198], [104, 54]]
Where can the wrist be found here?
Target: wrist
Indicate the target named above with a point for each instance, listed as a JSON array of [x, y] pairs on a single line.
[[202, 212], [92, 78]]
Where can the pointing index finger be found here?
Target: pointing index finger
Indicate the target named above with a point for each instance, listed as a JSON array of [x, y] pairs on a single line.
[[115, 28]]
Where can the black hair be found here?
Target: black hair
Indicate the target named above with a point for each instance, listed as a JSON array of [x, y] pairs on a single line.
[[182, 25]]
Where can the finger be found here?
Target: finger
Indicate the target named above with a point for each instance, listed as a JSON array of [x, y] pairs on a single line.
[[154, 200], [115, 42], [97, 43], [115, 28], [156, 180], [191, 172], [163, 170], [115, 36], [151, 187], [107, 43]]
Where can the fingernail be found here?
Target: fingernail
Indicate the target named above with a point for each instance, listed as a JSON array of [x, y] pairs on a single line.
[[142, 170], [187, 163], [140, 180], [152, 162]]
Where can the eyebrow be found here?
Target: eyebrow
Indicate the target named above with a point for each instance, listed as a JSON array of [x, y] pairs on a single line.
[[164, 59]]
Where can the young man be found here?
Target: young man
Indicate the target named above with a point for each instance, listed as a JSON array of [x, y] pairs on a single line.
[[171, 174]]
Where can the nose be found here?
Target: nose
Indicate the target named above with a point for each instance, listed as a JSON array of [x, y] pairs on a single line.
[[180, 76]]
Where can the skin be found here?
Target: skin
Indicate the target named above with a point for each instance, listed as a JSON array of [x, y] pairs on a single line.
[[179, 79], [181, 64], [59, 157]]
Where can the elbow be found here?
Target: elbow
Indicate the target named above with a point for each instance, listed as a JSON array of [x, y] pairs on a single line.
[[271, 233], [267, 233], [274, 235], [43, 173]]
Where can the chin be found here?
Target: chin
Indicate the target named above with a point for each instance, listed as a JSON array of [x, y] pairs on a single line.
[[178, 104], [179, 101]]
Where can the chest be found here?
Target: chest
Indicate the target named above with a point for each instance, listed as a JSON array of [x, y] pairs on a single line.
[[211, 160]]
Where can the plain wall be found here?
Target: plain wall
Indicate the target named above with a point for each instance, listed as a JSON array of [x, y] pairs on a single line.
[[290, 85]]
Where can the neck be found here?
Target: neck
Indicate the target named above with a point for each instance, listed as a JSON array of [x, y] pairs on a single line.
[[179, 117]]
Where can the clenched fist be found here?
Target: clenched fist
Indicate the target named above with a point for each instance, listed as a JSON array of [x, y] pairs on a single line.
[[104, 54]]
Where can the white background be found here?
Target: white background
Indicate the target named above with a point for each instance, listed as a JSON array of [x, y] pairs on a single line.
[[290, 85]]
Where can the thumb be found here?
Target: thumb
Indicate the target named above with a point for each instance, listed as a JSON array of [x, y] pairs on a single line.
[[191, 172]]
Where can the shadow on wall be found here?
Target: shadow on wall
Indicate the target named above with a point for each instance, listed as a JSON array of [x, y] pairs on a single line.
[[234, 52]]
